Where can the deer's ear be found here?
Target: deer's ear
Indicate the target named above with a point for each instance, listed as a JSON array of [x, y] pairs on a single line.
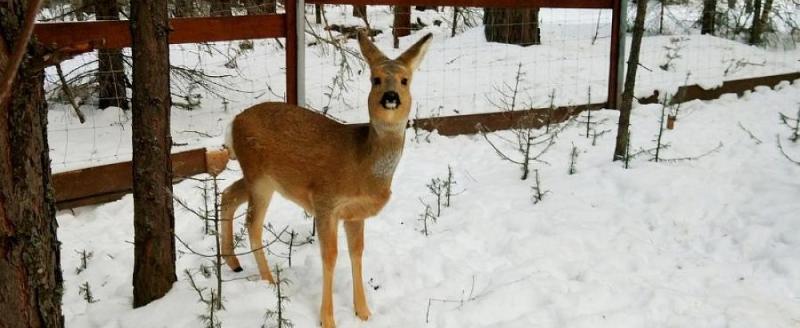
[[413, 56], [370, 52]]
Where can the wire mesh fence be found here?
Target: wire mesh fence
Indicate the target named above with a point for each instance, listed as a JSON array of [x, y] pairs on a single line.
[[566, 64]]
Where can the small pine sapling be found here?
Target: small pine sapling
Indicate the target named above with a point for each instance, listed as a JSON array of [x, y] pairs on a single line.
[[573, 159], [660, 130], [426, 216], [86, 291], [793, 123], [276, 318], [537, 189], [85, 257], [672, 52]]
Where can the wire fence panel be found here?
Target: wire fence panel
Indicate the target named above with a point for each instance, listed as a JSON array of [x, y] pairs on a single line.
[[462, 72]]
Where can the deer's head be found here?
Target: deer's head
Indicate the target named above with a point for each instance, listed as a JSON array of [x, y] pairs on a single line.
[[390, 97]]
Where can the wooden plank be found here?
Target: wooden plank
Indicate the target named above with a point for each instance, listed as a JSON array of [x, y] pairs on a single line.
[[116, 34], [696, 92], [108, 182], [474, 123], [586, 4]]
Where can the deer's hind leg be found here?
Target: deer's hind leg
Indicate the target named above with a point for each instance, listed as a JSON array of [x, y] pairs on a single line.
[[260, 196]]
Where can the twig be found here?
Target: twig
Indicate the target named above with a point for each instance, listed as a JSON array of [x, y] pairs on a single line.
[[68, 93], [757, 140], [780, 147]]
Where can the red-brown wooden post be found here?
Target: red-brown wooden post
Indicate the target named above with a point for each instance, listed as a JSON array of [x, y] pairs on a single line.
[[291, 51]]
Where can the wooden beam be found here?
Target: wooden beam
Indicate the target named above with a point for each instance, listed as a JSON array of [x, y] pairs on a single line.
[[291, 51], [110, 182], [696, 92], [116, 34], [598, 4]]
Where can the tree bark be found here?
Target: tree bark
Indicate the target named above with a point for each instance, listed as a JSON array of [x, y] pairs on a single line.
[[402, 23], [708, 20], [31, 284], [256, 7], [183, 8], [220, 7], [153, 220], [630, 82], [111, 68], [760, 20], [318, 8], [360, 11], [512, 26]]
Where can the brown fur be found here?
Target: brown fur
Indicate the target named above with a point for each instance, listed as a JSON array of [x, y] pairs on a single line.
[[333, 171]]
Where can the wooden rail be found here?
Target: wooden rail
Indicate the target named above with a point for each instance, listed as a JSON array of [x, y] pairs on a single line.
[[585, 4], [106, 183], [117, 34]]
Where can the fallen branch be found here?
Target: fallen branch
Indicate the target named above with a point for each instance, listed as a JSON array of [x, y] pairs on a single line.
[[780, 147], [68, 93]]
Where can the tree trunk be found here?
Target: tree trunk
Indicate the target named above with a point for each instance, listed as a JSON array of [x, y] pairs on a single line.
[[709, 17], [31, 284], [183, 8], [318, 8], [111, 68], [153, 217], [402, 23], [754, 33], [731, 4], [360, 11], [220, 7], [760, 21], [256, 7], [748, 6], [630, 82], [512, 26]]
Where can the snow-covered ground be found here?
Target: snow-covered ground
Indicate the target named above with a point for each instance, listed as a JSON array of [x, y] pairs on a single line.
[[712, 242]]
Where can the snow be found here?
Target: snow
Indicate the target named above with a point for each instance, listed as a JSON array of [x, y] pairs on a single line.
[[706, 243]]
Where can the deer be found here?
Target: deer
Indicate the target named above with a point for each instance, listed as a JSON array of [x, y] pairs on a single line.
[[335, 172]]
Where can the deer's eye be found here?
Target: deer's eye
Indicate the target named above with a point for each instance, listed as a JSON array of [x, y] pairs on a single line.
[[404, 81], [376, 81]]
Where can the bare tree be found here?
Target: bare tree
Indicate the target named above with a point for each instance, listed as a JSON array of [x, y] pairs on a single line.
[[31, 283], [221, 7], [630, 82], [153, 220]]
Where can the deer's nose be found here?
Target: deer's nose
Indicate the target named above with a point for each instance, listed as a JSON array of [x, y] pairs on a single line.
[[390, 100]]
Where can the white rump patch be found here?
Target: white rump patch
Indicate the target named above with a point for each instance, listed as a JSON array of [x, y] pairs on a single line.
[[229, 140]]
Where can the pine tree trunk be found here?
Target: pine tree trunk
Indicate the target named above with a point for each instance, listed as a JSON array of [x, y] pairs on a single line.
[[183, 8], [30, 271], [630, 82], [512, 26], [220, 7], [755, 34], [153, 220], [760, 21], [111, 68], [318, 8], [708, 20], [402, 23], [255, 7], [360, 11]]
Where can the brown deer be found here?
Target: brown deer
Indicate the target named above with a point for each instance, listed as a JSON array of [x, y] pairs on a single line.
[[333, 171]]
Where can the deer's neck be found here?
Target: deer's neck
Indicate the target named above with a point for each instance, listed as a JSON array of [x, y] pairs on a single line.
[[384, 148]]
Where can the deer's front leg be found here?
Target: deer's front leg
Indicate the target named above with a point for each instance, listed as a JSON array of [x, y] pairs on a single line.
[[355, 243], [327, 229]]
